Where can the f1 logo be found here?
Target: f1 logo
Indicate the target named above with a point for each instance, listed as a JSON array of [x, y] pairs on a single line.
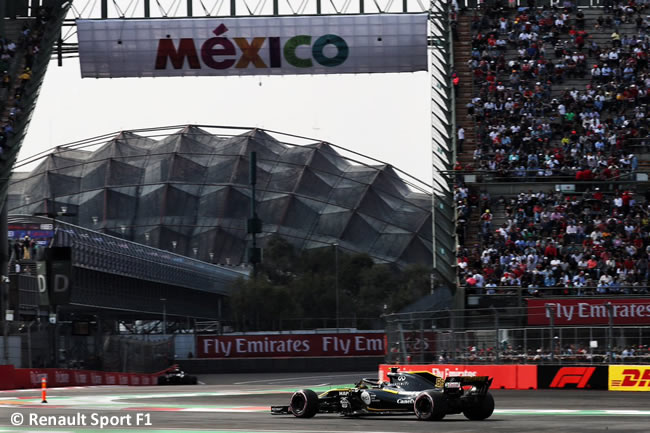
[[576, 375]]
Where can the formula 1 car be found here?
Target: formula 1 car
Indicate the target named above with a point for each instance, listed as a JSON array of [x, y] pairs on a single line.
[[176, 376], [428, 396]]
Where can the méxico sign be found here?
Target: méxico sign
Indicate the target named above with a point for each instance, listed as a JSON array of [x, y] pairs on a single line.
[[253, 46], [290, 345], [588, 311]]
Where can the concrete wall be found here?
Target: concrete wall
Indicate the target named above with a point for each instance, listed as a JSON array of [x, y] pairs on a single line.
[[184, 344], [276, 365], [13, 343]]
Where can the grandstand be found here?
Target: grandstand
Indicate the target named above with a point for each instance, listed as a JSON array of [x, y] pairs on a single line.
[[553, 165]]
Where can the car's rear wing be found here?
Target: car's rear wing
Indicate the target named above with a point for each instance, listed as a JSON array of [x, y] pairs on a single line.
[[482, 383]]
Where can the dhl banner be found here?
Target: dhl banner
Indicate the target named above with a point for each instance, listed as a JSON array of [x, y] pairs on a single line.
[[253, 45], [629, 377]]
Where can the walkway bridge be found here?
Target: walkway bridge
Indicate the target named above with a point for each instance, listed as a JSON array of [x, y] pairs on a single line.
[[107, 274]]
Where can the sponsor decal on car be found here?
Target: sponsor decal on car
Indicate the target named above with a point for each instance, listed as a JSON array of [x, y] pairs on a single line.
[[405, 401]]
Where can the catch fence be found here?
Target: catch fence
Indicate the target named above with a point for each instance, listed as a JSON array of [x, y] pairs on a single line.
[[453, 337]]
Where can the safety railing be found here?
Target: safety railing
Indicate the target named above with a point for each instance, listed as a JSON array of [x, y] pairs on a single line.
[[515, 4], [443, 337]]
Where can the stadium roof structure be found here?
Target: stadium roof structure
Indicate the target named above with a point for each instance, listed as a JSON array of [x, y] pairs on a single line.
[[186, 189]]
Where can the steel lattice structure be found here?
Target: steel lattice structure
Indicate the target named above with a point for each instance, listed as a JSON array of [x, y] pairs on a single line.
[[186, 190]]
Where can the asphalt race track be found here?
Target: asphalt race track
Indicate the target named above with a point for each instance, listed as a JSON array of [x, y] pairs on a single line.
[[240, 403]]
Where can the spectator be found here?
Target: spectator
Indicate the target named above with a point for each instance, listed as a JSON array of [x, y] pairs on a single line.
[[461, 138]]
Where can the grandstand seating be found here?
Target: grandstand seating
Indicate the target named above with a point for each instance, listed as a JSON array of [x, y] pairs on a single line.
[[32, 56], [574, 128]]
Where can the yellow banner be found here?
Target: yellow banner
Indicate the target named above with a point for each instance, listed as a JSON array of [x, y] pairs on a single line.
[[629, 377]]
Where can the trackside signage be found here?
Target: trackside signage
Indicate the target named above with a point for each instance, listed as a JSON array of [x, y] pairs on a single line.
[[629, 377], [588, 311], [572, 377], [504, 376], [293, 345], [253, 46]]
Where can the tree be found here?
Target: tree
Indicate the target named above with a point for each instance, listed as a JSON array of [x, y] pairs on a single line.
[[298, 289], [279, 260]]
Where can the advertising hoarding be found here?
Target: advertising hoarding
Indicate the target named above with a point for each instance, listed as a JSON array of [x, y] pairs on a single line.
[[504, 376], [339, 44], [290, 345], [629, 378], [572, 377], [589, 311]]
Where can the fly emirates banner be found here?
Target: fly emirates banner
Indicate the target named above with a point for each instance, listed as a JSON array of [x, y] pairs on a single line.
[[290, 345], [586, 311], [253, 45]]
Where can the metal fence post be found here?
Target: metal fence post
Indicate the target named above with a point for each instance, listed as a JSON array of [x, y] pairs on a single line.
[[525, 345], [422, 341], [496, 331], [549, 312], [610, 332]]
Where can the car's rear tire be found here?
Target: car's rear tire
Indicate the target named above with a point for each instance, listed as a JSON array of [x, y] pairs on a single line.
[[304, 403], [430, 406], [482, 410], [162, 380]]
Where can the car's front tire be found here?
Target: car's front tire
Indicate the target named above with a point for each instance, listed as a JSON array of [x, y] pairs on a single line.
[[482, 410], [430, 406], [304, 403]]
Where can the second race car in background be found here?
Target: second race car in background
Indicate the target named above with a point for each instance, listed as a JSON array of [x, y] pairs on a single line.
[[176, 376]]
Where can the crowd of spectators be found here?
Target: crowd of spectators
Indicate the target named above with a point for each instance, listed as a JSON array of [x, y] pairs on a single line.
[[567, 353], [549, 100], [11, 97], [536, 352], [23, 249], [558, 93], [553, 243]]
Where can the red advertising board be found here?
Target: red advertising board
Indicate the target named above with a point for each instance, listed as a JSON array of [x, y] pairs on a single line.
[[110, 378], [61, 377], [290, 345], [81, 377], [588, 311], [504, 376], [7, 377]]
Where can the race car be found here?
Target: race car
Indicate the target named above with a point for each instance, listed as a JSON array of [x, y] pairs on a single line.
[[428, 396], [176, 376]]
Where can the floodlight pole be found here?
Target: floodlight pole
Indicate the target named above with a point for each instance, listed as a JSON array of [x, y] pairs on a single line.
[[254, 226], [336, 281], [3, 12], [4, 277]]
